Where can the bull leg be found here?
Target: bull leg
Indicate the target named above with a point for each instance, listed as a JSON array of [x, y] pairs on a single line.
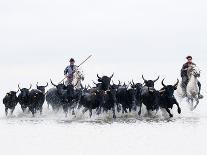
[[90, 112], [23, 108], [12, 110], [79, 106], [6, 111], [130, 109], [114, 113], [40, 110], [140, 110], [118, 107], [122, 110], [73, 112], [84, 110], [171, 115], [66, 114], [99, 111], [65, 109], [33, 111], [125, 110]]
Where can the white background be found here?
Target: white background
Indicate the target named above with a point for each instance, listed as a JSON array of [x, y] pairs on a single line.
[[129, 38]]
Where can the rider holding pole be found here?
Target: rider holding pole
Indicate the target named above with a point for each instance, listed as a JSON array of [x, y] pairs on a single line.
[[69, 71]]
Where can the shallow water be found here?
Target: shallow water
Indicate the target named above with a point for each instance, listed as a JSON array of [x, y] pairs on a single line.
[[129, 134]]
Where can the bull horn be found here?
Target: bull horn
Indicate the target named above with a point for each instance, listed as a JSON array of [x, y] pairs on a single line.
[[119, 82], [176, 85], [30, 86], [111, 76], [46, 85], [157, 79], [53, 83], [133, 82], [19, 87], [163, 83], [98, 76], [143, 78]]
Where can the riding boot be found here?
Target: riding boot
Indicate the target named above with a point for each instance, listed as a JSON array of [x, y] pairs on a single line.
[[184, 85]]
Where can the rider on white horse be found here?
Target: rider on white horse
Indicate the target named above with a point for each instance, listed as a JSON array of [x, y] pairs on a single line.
[[184, 75]]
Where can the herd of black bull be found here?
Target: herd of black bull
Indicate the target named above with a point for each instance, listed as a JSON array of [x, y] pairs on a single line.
[[103, 97]]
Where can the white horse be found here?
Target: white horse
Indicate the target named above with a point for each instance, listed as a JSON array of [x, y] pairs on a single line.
[[192, 89], [78, 77]]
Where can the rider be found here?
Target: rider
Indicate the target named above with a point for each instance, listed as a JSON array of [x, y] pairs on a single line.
[[184, 75], [69, 71]]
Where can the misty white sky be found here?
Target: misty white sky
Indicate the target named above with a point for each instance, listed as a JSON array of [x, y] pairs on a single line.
[[127, 37]]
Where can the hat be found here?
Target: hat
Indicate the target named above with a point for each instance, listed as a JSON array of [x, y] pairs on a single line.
[[189, 57], [72, 60]]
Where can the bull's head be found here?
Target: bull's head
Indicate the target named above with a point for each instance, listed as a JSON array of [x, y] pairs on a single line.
[[105, 81], [41, 88], [12, 95], [150, 83], [24, 91], [61, 88], [169, 89]]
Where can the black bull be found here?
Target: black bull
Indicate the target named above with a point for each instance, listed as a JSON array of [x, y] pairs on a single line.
[[164, 99], [167, 99], [10, 101], [61, 96], [149, 96], [33, 99], [103, 96]]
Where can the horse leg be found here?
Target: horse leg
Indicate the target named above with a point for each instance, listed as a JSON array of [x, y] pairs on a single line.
[[191, 104], [197, 102]]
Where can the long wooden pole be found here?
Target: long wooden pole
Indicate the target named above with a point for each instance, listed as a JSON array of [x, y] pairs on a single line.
[[78, 66]]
